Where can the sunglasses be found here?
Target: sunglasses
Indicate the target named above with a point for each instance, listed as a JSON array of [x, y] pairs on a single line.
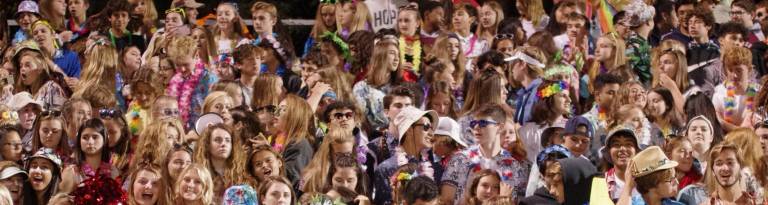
[[339, 115], [268, 108], [424, 126], [109, 113], [54, 113], [171, 112], [481, 123], [505, 36]]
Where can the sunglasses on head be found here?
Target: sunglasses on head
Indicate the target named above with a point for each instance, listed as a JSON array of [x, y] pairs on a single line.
[[410, 7], [348, 115], [54, 113], [481, 123], [109, 113], [268, 108]]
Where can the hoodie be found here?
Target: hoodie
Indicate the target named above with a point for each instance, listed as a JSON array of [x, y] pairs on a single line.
[[577, 180]]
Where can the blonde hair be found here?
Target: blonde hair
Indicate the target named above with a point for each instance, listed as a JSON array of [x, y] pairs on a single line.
[[150, 10], [235, 162], [152, 144], [442, 44], [360, 18], [264, 6], [681, 76], [205, 177], [622, 113], [316, 172], [380, 64], [152, 168], [210, 43], [340, 83], [5, 196], [299, 120], [496, 7], [319, 27], [39, 60], [100, 67], [100, 96], [709, 178], [534, 10], [213, 97], [47, 12], [232, 88], [623, 96], [736, 55], [264, 90], [618, 59], [180, 47]]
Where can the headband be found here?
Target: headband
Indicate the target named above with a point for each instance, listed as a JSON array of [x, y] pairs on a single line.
[[701, 117], [519, 55], [339, 42], [559, 69], [47, 24], [552, 89], [178, 10]]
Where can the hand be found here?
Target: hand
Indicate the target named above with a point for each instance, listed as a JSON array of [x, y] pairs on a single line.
[[178, 31], [408, 66], [427, 170], [362, 200], [628, 178], [68, 183], [667, 82], [506, 189], [320, 88], [66, 36]]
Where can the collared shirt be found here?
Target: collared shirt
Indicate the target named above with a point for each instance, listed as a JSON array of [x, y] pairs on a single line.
[[524, 106], [616, 185], [465, 164], [744, 199]]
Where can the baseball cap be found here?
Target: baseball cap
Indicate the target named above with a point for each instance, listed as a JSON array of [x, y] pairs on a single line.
[[451, 128], [11, 171], [21, 99], [571, 127]]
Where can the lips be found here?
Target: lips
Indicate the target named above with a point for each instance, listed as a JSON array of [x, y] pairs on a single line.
[[267, 171], [147, 196], [37, 180]]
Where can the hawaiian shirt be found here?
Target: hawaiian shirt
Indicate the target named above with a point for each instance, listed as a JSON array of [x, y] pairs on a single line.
[[381, 187], [465, 164], [639, 53]]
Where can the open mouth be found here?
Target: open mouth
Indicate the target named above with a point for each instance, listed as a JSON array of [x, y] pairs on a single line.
[[267, 171], [147, 195], [37, 180]]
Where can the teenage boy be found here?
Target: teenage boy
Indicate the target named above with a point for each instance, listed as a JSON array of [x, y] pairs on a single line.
[[653, 174], [703, 53], [743, 12], [577, 136], [606, 86], [725, 166], [248, 60]]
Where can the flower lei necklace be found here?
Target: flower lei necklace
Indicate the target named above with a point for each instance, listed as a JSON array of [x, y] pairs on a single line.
[[183, 87], [415, 50], [730, 99], [134, 118], [103, 169]]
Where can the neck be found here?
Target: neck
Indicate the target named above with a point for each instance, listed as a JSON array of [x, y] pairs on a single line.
[[729, 194], [72, 132], [93, 160], [40, 197], [225, 32], [557, 118], [49, 48], [266, 33], [490, 149], [463, 32], [219, 166], [202, 52], [679, 175], [526, 81], [117, 32], [702, 39], [652, 199], [80, 18], [247, 79], [414, 151], [620, 172], [193, 202]]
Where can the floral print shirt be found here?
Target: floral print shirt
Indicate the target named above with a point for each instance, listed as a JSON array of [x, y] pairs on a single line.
[[463, 165]]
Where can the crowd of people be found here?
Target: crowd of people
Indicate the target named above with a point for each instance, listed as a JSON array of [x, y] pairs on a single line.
[[412, 102]]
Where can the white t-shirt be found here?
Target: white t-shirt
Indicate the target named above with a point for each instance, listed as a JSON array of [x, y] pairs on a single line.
[[383, 14]]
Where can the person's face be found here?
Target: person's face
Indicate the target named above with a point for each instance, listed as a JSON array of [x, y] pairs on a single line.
[[221, 106], [461, 20], [622, 150], [668, 187], [726, 168], [166, 109], [509, 134], [40, 173], [26, 19], [422, 134], [30, 71], [682, 13], [700, 134], [191, 13], [683, 155], [146, 188], [225, 14], [398, 103], [393, 54], [454, 46], [345, 177], [760, 14], [179, 161], [132, 58], [91, 142], [606, 94], [738, 74], [140, 8], [11, 147], [265, 164], [60, 7], [553, 179], [82, 113], [436, 16], [345, 118], [345, 13], [165, 69], [622, 29], [50, 133], [42, 34], [656, 105], [252, 65], [407, 22], [561, 12], [575, 29], [191, 186], [173, 20], [27, 116], [577, 144], [441, 103], [697, 28], [635, 119], [733, 39], [185, 65], [562, 102], [14, 185], [119, 20], [741, 15], [278, 194], [506, 47], [763, 134], [669, 64], [487, 188], [113, 131], [328, 14], [263, 22], [486, 134], [172, 135], [637, 94], [487, 17], [604, 51], [221, 144]]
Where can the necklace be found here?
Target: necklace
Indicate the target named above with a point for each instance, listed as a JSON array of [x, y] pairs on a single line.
[[415, 51], [730, 99]]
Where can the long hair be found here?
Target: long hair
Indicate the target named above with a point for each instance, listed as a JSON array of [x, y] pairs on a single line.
[[534, 11], [298, 120], [47, 12], [485, 88], [710, 180], [319, 27], [100, 68], [618, 59], [442, 88], [360, 17], [670, 115], [543, 111], [496, 7], [398, 184], [62, 148], [701, 104], [363, 43], [205, 178], [212, 97], [168, 182], [752, 152], [122, 150], [264, 92], [380, 63], [460, 62], [264, 187], [39, 60], [151, 168], [153, 140], [97, 125], [314, 175], [210, 46], [624, 95], [348, 161], [470, 195], [340, 83], [237, 25], [28, 194], [235, 162], [681, 76]]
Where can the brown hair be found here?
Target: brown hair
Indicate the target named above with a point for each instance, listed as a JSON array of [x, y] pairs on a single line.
[[486, 88], [470, 194], [442, 87], [752, 152], [647, 182], [314, 174], [264, 148], [299, 121], [681, 76], [709, 177], [235, 162], [264, 92], [264, 187]]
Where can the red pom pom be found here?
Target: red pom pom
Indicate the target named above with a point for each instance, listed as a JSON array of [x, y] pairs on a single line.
[[99, 190]]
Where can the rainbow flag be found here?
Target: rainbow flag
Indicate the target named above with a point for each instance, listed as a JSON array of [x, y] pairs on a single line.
[[605, 12]]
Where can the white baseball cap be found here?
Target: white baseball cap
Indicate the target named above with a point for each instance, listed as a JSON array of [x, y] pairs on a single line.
[[451, 128]]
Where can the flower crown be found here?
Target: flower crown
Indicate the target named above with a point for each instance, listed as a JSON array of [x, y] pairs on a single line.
[[552, 89], [339, 42], [11, 116], [404, 176]]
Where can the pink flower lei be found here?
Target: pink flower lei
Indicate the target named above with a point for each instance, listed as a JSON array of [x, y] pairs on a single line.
[[183, 88]]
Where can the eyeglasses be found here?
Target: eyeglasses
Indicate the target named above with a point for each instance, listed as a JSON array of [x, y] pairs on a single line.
[[504, 36], [54, 113], [109, 113], [737, 13], [170, 112], [268, 109], [424, 126], [482, 123], [339, 115]]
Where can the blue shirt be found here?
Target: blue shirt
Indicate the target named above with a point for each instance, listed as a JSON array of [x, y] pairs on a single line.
[[527, 98], [68, 61], [19, 36]]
